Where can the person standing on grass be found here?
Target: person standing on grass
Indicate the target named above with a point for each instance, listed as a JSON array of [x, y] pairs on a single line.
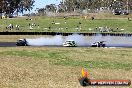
[[38, 26], [17, 27], [10, 27]]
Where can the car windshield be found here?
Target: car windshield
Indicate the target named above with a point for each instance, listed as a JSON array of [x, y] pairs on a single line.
[[71, 42]]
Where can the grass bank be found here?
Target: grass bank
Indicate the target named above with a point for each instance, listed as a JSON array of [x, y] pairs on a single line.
[[47, 67], [71, 24]]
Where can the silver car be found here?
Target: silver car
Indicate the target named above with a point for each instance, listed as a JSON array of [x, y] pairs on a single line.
[[70, 43]]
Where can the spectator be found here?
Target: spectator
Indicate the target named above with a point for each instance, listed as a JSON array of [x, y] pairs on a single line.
[[64, 18], [38, 25], [66, 27], [65, 22], [17, 27], [29, 24], [80, 23], [53, 22], [129, 19], [30, 27], [10, 27], [49, 27], [92, 18], [96, 29]]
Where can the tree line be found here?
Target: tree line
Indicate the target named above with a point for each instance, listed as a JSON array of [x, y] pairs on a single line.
[[74, 5], [11, 6]]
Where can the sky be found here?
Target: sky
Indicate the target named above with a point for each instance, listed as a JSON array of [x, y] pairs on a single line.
[[43, 3]]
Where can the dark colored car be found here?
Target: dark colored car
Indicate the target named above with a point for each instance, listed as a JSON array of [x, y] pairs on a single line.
[[117, 12], [21, 42], [98, 44]]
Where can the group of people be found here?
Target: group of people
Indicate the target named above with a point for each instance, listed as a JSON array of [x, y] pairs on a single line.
[[31, 25], [11, 27], [105, 29], [17, 27]]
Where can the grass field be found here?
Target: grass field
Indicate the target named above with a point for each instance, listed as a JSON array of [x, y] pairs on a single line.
[[71, 25], [54, 67]]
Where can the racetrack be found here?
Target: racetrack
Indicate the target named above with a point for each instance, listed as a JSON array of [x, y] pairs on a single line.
[[58, 40], [13, 44], [7, 44]]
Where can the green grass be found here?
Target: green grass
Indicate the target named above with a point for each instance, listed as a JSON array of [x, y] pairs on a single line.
[[101, 57], [60, 67], [72, 23]]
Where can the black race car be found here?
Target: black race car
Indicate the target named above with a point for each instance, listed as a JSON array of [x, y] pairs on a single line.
[[98, 44], [21, 42]]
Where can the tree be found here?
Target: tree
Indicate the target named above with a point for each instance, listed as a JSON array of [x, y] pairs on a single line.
[[51, 8], [94, 4], [42, 11], [73, 5], [10, 6]]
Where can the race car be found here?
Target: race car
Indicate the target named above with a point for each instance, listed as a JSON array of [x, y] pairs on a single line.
[[98, 44], [21, 42], [70, 43]]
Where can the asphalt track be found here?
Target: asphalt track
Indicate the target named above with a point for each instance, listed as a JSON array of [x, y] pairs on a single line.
[[7, 44], [111, 41], [13, 44]]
